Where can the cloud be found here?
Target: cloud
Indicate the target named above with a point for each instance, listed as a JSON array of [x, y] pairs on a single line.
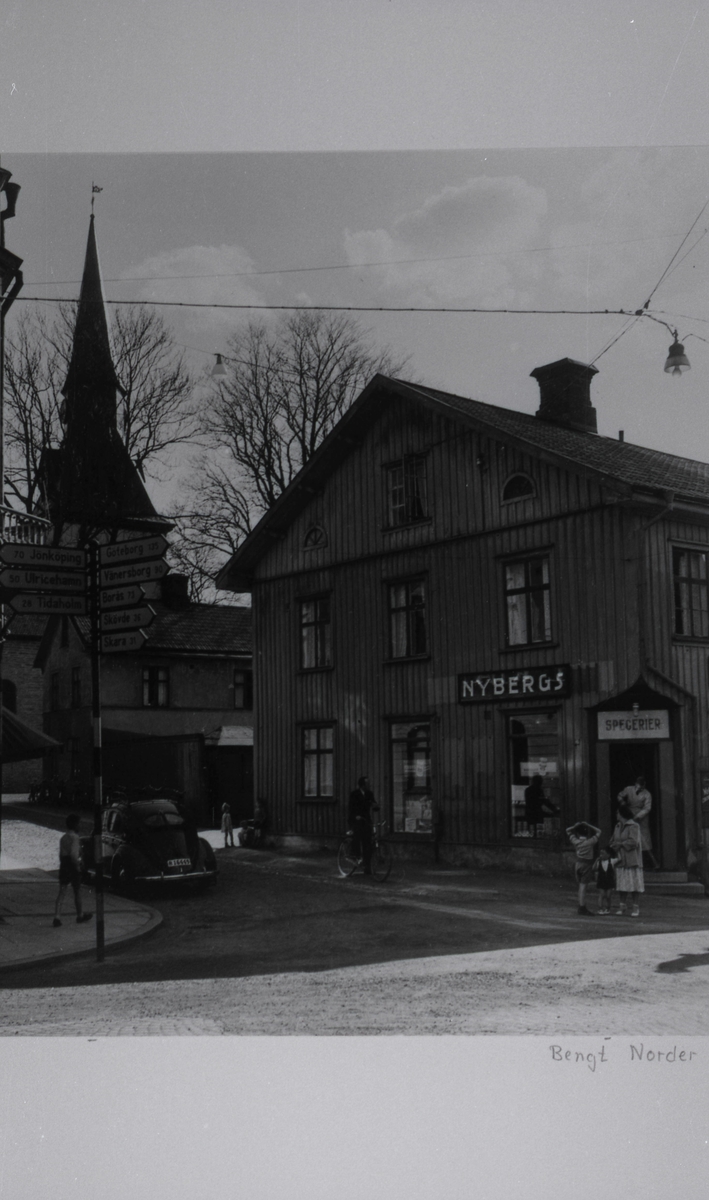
[[205, 275], [480, 233]]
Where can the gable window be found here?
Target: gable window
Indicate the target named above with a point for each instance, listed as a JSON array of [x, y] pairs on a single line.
[[315, 633], [407, 619], [156, 687], [407, 491], [318, 761], [54, 691], [689, 569], [528, 603], [76, 687], [315, 538], [243, 690], [518, 487]]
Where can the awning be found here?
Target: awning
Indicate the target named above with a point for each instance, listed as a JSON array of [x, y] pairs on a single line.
[[230, 735], [20, 741]]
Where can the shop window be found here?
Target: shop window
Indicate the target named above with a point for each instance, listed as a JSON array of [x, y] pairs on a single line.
[[690, 593], [315, 633], [243, 690], [156, 687], [407, 491], [517, 487], [74, 757], [407, 619], [318, 762], [411, 777], [54, 691], [76, 687], [535, 793], [315, 538], [528, 603]]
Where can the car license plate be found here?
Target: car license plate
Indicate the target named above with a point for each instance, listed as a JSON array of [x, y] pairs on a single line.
[[179, 862]]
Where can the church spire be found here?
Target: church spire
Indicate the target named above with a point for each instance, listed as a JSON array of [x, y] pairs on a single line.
[[91, 364], [92, 483]]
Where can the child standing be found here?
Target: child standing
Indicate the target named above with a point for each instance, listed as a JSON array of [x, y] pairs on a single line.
[[227, 827], [605, 879], [584, 839]]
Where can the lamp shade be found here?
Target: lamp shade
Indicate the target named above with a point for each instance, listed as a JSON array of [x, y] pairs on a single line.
[[219, 370], [677, 360]]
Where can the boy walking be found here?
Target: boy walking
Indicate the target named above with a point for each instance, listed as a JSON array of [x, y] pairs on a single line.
[[70, 871], [584, 839]]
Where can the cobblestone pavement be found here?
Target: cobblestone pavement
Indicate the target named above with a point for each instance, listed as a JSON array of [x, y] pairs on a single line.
[[652, 985]]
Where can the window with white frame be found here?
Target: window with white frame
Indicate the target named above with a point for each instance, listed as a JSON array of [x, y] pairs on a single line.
[[318, 761]]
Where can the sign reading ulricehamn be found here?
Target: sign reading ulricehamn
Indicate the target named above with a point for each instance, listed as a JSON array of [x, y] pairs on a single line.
[[482, 687]]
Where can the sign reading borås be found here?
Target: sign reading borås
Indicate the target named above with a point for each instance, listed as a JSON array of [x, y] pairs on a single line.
[[515, 683]]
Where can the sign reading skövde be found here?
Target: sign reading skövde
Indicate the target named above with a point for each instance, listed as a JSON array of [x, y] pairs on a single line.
[[514, 683]]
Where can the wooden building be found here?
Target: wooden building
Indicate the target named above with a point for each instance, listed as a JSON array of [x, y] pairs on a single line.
[[176, 713], [453, 598]]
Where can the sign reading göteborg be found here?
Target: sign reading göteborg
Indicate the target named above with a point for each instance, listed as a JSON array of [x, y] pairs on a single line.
[[516, 683]]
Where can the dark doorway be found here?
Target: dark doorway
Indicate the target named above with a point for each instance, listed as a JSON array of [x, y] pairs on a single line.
[[627, 761]]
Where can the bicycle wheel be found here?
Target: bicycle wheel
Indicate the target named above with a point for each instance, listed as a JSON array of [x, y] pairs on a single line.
[[346, 861], [382, 861]]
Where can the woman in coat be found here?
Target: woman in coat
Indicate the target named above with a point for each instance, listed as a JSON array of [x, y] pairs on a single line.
[[627, 842], [639, 800]]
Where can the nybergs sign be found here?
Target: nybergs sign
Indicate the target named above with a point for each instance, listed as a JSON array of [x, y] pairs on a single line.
[[527, 683]]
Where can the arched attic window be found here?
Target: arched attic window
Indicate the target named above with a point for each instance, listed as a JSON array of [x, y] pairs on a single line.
[[315, 538], [518, 487]]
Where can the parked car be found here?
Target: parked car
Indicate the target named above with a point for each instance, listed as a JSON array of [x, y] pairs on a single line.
[[150, 841]]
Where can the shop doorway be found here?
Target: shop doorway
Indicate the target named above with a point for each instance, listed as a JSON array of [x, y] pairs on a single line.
[[627, 761]]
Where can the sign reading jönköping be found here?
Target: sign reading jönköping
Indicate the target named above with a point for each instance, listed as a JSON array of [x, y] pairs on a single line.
[[516, 683]]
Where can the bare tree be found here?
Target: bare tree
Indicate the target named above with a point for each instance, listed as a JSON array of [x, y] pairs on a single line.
[[156, 413], [287, 387]]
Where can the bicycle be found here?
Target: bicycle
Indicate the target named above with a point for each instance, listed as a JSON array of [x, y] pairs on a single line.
[[382, 859]]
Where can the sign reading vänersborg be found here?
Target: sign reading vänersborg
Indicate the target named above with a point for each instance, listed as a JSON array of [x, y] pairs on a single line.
[[516, 683]]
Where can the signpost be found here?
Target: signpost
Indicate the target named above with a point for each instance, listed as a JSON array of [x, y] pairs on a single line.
[[140, 572], [18, 554], [120, 597], [127, 618], [43, 581], [113, 642], [70, 606]]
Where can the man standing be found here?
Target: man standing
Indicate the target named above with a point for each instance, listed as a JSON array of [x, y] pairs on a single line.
[[639, 801], [359, 818], [70, 871]]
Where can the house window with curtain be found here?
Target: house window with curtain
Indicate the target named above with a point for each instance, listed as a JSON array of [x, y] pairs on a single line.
[[156, 687], [689, 569], [407, 491], [412, 803], [407, 619], [315, 633], [317, 762], [243, 690], [528, 601]]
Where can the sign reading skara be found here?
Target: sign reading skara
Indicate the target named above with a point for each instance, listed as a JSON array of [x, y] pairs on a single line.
[[514, 684]]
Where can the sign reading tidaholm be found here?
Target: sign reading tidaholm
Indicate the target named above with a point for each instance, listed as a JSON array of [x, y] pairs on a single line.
[[514, 684]]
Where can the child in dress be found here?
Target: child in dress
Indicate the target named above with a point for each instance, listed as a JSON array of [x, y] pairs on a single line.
[[584, 839], [227, 827], [605, 879]]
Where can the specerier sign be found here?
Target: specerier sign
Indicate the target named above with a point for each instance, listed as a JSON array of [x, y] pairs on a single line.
[[514, 684], [646, 724]]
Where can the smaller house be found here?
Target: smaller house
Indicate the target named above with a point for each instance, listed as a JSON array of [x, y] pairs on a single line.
[[176, 714]]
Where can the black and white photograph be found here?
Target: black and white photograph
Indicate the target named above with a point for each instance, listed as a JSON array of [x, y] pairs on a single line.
[[354, 585]]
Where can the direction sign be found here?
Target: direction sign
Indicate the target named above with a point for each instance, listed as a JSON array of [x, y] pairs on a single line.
[[132, 573], [113, 642], [43, 581], [48, 605], [20, 554], [136, 550], [121, 597], [127, 618]]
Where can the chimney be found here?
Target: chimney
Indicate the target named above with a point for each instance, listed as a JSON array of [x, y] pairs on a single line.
[[565, 394], [175, 591]]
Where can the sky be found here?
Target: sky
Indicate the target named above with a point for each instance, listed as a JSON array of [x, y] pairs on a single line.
[[567, 230], [535, 154]]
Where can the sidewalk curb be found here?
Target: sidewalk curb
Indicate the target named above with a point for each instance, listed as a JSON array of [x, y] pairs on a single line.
[[154, 922]]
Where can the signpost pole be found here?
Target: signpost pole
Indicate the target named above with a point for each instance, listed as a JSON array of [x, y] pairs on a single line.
[[97, 756]]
